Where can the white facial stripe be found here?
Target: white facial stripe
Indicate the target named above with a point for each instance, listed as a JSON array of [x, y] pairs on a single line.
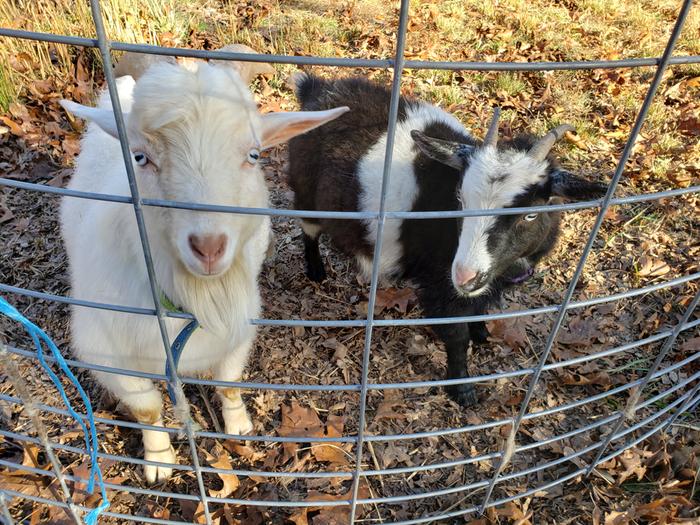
[[472, 252], [493, 180]]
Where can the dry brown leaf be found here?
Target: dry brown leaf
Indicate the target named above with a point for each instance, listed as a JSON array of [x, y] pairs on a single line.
[[240, 449], [339, 515], [193, 511], [631, 460], [598, 378], [300, 516], [230, 481], [616, 518], [386, 409], [155, 510], [688, 347], [510, 330], [652, 267], [580, 332], [298, 421], [331, 452], [398, 298], [14, 128]]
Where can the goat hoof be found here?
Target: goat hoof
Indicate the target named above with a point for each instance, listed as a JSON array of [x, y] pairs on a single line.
[[239, 424], [479, 336], [155, 473], [316, 274], [463, 395]]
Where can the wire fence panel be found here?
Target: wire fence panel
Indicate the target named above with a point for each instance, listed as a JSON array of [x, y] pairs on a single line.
[[672, 393]]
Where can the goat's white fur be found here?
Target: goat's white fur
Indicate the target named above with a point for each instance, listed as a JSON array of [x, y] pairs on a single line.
[[402, 188], [492, 180], [196, 124], [482, 188]]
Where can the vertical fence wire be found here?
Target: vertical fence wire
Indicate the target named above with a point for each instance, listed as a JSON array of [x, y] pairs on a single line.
[[181, 404], [686, 406], [509, 446], [629, 411], [397, 68]]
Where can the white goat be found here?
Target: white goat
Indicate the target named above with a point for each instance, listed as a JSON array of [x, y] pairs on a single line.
[[195, 135]]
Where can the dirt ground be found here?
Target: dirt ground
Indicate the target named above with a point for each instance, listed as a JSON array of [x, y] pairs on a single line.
[[639, 245]]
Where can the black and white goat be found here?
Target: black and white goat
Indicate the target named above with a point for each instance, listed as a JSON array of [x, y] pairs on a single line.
[[461, 266]]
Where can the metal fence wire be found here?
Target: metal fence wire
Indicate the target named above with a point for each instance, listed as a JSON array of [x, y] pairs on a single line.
[[613, 443]]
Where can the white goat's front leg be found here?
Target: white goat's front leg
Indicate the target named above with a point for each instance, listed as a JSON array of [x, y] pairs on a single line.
[[146, 405], [236, 418]]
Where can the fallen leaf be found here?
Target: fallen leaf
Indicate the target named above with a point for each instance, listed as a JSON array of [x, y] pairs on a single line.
[[580, 332], [386, 409], [398, 298], [651, 267], [5, 213], [689, 346], [598, 378], [248, 453], [193, 511], [338, 515], [14, 128], [509, 330], [158, 511], [230, 481], [298, 421], [331, 452]]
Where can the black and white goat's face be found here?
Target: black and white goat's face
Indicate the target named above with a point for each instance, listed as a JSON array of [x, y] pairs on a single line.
[[516, 175]]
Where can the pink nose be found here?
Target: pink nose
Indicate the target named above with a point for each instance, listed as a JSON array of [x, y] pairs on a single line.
[[208, 248], [463, 275]]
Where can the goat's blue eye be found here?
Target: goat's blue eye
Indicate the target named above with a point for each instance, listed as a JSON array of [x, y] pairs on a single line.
[[530, 217], [140, 158], [253, 156]]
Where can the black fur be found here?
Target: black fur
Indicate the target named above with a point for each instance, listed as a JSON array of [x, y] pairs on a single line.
[[323, 167]]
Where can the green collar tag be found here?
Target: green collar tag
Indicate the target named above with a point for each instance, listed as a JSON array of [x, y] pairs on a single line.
[[166, 303]]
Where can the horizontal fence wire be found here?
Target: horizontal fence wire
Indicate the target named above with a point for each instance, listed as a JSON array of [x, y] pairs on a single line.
[[372, 386], [349, 323], [348, 62], [345, 215], [688, 397], [499, 459], [399, 499]]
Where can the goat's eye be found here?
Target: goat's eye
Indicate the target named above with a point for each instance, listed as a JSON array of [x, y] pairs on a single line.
[[530, 217], [140, 158], [253, 156]]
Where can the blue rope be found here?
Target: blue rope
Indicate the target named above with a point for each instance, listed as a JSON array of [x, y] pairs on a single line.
[[38, 335]]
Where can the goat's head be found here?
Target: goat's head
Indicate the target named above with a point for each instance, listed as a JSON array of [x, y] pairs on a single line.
[[195, 135], [518, 173]]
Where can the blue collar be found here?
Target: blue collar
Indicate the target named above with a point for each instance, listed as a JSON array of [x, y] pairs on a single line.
[[180, 341]]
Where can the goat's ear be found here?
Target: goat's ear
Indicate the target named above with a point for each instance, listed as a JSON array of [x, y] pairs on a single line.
[[104, 118], [575, 188], [453, 154], [280, 127], [247, 70]]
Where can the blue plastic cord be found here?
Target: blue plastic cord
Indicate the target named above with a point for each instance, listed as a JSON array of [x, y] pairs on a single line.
[[38, 335]]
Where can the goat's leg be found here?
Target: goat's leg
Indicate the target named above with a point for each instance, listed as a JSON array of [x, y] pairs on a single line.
[[455, 336], [314, 264], [477, 330], [456, 347], [236, 418], [145, 403]]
